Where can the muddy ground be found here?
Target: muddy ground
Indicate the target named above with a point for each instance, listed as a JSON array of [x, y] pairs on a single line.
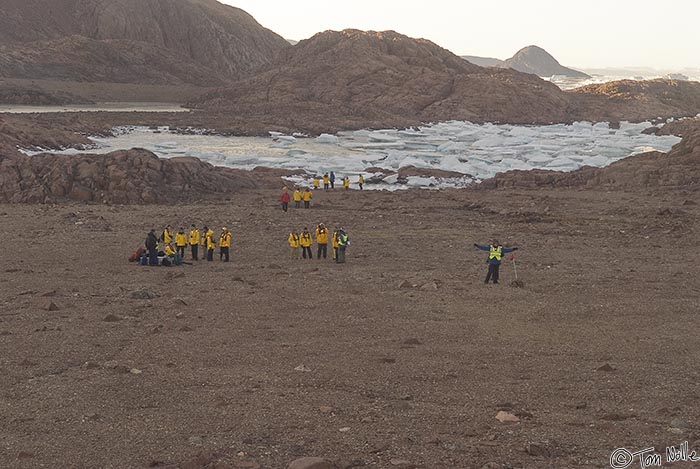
[[398, 376]]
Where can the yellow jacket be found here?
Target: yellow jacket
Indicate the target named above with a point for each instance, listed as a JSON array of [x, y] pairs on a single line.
[[167, 236], [225, 239], [307, 196], [317, 183], [326, 180], [361, 180], [168, 250], [322, 236], [346, 182], [194, 237], [297, 195], [180, 239], [294, 240], [211, 243], [306, 240], [335, 239]]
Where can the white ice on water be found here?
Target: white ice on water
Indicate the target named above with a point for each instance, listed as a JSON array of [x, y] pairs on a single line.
[[476, 151]]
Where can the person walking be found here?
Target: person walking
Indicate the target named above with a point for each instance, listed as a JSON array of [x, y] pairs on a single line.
[[496, 251], [346, 183], [332, 180], [306, 195], [152, 247], [343, 243], [361, 181], [285, 199], [181, 242], [306, 241], [294, 244], [194, 242], [334, 241], [210, 243], [326, 181], [224, 244], [322, 241], [297, 198]]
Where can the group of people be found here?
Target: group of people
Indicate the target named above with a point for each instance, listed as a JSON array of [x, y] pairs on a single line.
[[169, 248], [329, 181], [303, 241], [305, 195]]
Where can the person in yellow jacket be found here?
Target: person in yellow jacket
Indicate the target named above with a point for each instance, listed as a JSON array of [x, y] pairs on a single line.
[[224, 244], [167, 236], [209, 242], [346, 183], [326, 181], [322, 240], [297, 198], [306, 195], [181, 242], [194, 242], [334, 240], [361, 181], [306, 241], [317, 182], [294, 244], [172, 257]]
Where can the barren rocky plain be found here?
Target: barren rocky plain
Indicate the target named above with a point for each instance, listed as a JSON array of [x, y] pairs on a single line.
[[401, 357]]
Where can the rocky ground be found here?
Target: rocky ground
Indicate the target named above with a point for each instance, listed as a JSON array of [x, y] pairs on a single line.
[[400, 358]]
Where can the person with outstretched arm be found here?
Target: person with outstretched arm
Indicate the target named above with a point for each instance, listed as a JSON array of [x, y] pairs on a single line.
[[496, 251]]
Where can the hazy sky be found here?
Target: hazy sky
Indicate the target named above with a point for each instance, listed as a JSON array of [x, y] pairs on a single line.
[[585, 33]]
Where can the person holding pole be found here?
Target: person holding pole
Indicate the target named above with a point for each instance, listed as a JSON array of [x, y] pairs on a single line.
[[496, 251]]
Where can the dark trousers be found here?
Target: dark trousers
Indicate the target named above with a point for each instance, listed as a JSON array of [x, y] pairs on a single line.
[[360, 186], [493, 273], [325, 186], [210, 255], [332, 184], [340, 257], [152, 257], [285, 206], [195, 252], [180, 250], [305, 250], [307, 204], [297, 204], [224, 254], [322, 249]]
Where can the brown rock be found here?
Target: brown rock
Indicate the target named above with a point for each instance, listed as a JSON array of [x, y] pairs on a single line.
[[112, 318], [506, 417], [50, 306], [311, 463]]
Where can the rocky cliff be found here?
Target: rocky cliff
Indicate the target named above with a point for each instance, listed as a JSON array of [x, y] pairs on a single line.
[[191, 41], [123, 177], [535, 60]]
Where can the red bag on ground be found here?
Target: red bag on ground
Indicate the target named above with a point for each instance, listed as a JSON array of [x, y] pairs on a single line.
[[136, 255]]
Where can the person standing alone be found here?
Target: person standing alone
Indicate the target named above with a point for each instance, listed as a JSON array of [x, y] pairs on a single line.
[[343, 243], [194, 242], [496, 252], [332, 180], [285, 199], [322, 240], [361, 181], [224, 244]]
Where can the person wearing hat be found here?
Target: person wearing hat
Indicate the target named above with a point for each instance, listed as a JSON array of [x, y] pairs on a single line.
[[297, 198], [294, 244], [167, 236], [495, 251], [181, 242], [224, 244], [322, 240], [152, 247], [194, 242]]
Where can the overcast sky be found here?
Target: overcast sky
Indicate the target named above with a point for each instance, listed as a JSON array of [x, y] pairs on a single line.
[[585, 33]]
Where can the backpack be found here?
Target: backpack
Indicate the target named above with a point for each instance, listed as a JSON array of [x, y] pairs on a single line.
[[136, 255]]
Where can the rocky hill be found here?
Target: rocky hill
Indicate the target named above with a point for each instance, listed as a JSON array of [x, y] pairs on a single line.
[[353, 79], [484, 61], [535, 60], [164, 41], [123, 177]]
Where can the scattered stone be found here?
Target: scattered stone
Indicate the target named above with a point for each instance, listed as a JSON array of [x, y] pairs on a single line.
[[50, 306], [412, 341], [401, 462], [606, 368], [180, 315], [135, 371], [180, 302], [344, 430], [174, 275], [537, 449], [112, 318], [274, 267], [311, 463], [517, 284], [91, 365], [302, 367], [430, 286], [186, 329], [506, 417], [25, 292], [5, 333], [582, 405], [380, 447], [405, 285], [615, 417], [387, 360], [25, 455], [142, 295], [689, 202], [326, 409], [50, 293], [28, 363], [681, 424]]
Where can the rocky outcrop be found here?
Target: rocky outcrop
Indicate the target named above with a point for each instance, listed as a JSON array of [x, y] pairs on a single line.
[[677, 170], [123, 177], [191, 41], [535, 60], [484, 61], [356, 79]]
